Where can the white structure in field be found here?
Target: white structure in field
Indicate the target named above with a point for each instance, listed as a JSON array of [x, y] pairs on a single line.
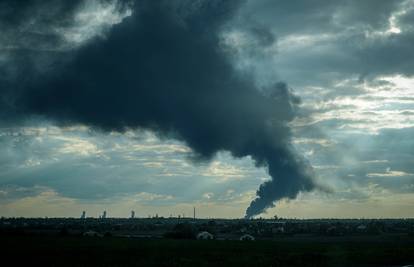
[[205, 236], [278, 230], [246, 237], [362, 228], [92, 234]]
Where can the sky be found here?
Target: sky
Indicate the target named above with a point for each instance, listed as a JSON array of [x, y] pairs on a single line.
[[251, 108]]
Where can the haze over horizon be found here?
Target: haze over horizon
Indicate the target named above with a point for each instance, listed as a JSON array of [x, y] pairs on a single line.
[[241, 108]]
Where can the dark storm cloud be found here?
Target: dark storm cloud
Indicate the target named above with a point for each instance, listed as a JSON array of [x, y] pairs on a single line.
[[30, 43], [36, 25], [407, 21], [164, 69], [29, 24], [318, 16], [340, 39]]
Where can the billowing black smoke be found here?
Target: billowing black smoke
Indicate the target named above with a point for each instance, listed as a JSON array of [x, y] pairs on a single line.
[[164, 69]]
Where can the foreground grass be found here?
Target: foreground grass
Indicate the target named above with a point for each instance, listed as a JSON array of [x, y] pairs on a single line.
[[82, 251]]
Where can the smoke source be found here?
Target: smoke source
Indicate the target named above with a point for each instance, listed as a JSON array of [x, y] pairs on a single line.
[[164, 69]]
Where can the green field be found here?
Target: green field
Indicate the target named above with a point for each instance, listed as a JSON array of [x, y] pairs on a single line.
[[111, 251]]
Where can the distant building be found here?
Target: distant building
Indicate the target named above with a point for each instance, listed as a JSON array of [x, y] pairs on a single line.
[[103, 215], [132, 214], [83, 216], [205, 236]]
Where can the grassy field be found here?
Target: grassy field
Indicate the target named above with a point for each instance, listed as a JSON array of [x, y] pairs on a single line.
[[111, 251]]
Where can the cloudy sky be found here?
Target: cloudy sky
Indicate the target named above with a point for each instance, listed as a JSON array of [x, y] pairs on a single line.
[[240, 108]]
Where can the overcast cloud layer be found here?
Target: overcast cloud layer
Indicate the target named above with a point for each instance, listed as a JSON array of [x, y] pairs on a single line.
[[350, 62]]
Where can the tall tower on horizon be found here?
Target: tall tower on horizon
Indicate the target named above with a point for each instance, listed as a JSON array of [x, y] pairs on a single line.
[[132, 214], [194, 214], [103, 215], [83, 216]]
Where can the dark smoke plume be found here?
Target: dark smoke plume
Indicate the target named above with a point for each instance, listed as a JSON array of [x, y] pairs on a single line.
[[164, 69]]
